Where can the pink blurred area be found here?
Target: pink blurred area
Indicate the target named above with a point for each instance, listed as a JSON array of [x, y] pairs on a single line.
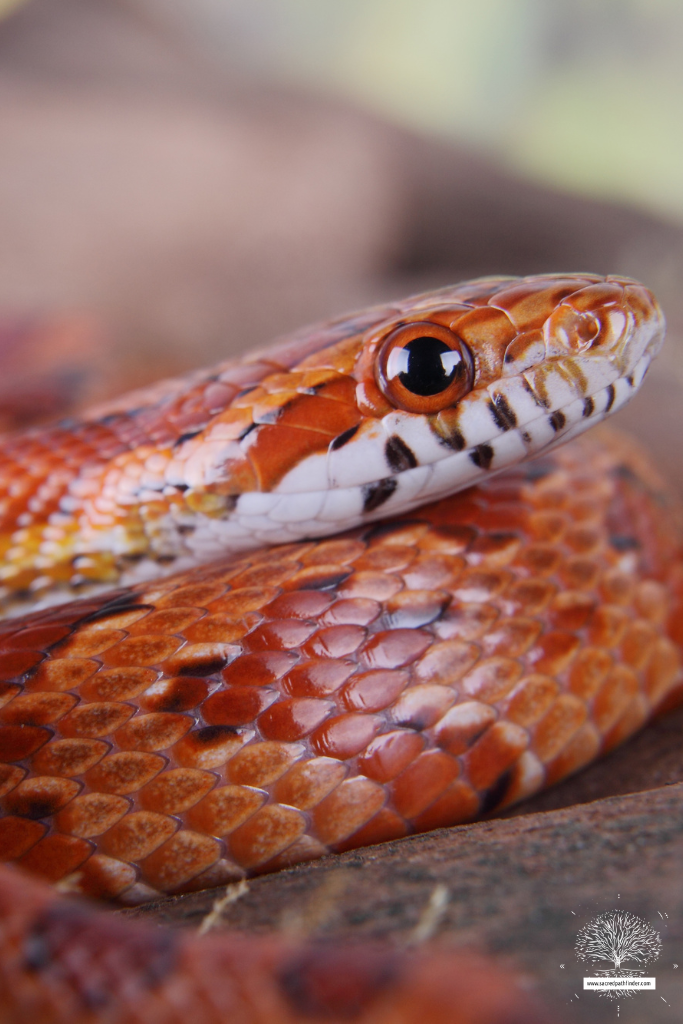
[[159, 212]]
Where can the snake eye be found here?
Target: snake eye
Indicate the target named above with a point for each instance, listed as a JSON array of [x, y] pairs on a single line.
[[423, 367]]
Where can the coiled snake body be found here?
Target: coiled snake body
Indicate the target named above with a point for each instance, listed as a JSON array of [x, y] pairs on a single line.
[[435, 657]]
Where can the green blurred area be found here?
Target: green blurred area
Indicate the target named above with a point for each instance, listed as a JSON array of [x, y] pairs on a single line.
[[582, 93]]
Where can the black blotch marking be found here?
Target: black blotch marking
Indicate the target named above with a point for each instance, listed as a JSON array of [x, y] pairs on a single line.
[[454, 440], [526, 437], [342, 439], [538, 469], [187, 436], [503, 415], [326, 581], [182, 487], [624, 472], [495, 794], [399, 456], [203, 667], [630, 380], [386, 529], [336, 981], [588, 407], [70, 947], [125, 602], [623, 542], [211, 734], [557, 420], [482, 456], [40, 808], [611, 395], [248, 430], [185, 528], [374, 495], [543, 402]]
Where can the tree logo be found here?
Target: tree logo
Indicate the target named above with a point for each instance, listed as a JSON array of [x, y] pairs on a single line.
[[620, 938]]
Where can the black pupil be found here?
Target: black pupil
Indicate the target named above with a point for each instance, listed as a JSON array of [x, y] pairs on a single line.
[[428, 373]]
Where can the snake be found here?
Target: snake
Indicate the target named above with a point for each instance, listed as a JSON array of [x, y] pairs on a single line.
[[349, 588]]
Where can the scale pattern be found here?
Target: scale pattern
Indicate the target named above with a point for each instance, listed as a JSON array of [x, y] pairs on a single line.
[[329, 694]]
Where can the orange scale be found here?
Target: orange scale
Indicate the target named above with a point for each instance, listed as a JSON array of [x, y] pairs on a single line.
[[420, 707], [201, 659], [581, 749], [529, 597], [494, 753], [530, 699], [89, 641], [394, 648], [345, 735], [445, 662], [491, 678], [386, 558], [56, 856], [117, 684], [209, 747], [37, 708], [348, 807], [318, 577], [557, 726], [269, 574], [137, 835], [608, 625], [237, 705], [588, 670], [615, 694], [293, 718], [20, 741], [387, 755], [105, 878], [377, 586], [304, 849], [15, 663], [225, 809], [554, 652], [155, 731], [260, 669], [652, 601], [184, 856], [572, 609], [317, 677], [10, 776], [91, 814], [267, 833], [422, 782], [466, 621], [383, 828], [124, 772], [372, 691], [260, 764], [97, 719], [633, 716], [176, 790], [237, 603], [512, 637], [36, 638], [166, 621], [69, 757], [221, 628], [463, 725], [8, 691], [299, 604], [176, 694], [358, 611], [278, 635], [139, 651], [430, 572], [637, 644], [444, 538], [334, 552], [194, 595], [334, 641], [40, 796], [540, 559], [17, 835], [308, 782], [580, 573], [412, 608], [457, 805]]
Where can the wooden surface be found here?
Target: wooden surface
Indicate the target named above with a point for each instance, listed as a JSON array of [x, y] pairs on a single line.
[[518, 888]]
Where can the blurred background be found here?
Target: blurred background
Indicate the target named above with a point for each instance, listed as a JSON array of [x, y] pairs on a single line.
[[183, 179]]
